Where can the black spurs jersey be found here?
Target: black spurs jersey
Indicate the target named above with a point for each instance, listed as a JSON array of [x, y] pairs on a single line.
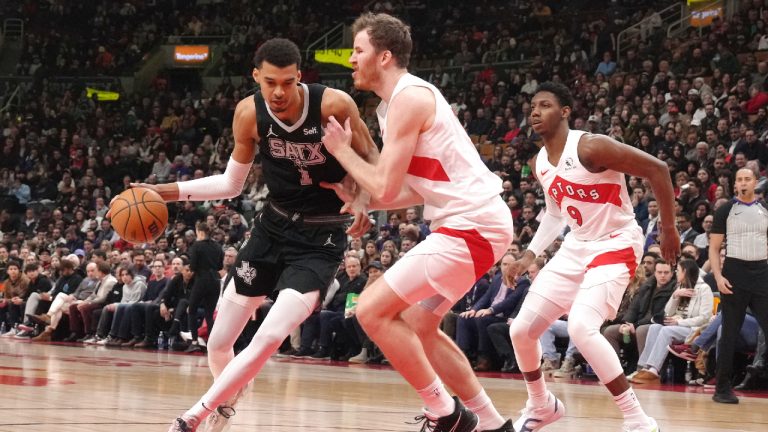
[[294, 159]]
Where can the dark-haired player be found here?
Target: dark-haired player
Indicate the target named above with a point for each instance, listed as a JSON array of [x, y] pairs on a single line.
[[583, 176], [297, 241]]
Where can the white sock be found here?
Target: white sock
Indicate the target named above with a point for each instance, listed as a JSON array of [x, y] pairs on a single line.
[[481, 405], [653, 370], [630, 407], [290, 309], [537, 392], [196, 415], [437, 400]]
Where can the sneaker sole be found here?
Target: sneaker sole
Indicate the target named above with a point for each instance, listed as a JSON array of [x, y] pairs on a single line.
[[557, 415]]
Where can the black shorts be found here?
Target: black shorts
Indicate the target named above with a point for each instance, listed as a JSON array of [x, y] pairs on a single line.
[[286, 252]]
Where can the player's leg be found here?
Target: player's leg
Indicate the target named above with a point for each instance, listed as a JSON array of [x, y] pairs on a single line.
[[379, 312], [234, 312], [290, 309], [450, 363], [595, 303], [536, 315]]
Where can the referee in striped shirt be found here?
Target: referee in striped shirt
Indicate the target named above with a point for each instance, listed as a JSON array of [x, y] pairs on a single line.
[[743, 281]]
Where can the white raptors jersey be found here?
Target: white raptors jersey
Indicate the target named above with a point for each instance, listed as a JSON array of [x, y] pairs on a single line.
[[595, 205], [446, 169]]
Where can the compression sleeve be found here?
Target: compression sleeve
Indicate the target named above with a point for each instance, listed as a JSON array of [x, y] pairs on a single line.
[[550, 227], [221, 186]]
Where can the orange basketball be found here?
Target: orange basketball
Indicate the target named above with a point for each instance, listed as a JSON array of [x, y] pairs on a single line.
[[139, 215]]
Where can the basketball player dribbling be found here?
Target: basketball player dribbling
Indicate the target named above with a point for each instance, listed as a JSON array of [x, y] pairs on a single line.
[[297, 241], [427, 159], [583, 177]]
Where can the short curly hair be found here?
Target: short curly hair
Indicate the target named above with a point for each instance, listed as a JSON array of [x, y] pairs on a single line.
[[560, 91], [279, 52]]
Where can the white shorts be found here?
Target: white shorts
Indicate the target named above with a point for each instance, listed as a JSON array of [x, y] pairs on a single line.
[[581, 265], [437, 272]]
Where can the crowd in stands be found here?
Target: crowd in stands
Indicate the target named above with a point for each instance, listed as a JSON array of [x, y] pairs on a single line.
[[697, 101]]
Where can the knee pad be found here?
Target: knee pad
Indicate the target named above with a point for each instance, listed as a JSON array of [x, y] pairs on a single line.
[[583, 324]]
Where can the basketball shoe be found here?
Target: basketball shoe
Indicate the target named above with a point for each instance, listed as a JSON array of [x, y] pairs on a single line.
[[534, 418], [506, 427], [462, 420], [652, 427], [219, 419], [181, 425]]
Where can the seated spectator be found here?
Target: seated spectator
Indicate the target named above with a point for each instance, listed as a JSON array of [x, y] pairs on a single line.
[[16, 290], [168, 312], [690, 306], [700, 347], [112, 315], [757, 370], [359, 341], [320, 326], [551, 358], [499, 332], [66, 283], [80, 319], [155, 287], [503, 296], [647, 306]]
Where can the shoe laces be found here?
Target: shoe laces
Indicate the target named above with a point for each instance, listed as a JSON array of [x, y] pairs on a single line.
[[427, 423], [226, 411]]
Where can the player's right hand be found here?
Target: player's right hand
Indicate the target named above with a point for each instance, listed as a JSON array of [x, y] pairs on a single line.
[[519, 267], [670, 244]]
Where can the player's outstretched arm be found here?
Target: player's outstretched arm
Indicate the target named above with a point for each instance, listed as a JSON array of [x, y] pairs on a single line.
[[599, 153], [409, 113], [230, 183]]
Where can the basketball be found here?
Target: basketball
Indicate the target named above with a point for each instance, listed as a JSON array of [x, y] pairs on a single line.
[[139, 215]]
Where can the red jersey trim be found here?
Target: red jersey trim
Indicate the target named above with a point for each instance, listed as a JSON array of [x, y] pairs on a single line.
[[623, 256], [428, 168], [479, 248]]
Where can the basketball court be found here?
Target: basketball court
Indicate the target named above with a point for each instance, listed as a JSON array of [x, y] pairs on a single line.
[[69, 388]]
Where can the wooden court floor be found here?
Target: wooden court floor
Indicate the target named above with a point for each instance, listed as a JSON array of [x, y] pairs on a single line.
[[49, 387]]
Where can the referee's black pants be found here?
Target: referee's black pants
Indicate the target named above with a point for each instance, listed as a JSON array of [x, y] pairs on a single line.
[[749, 280]]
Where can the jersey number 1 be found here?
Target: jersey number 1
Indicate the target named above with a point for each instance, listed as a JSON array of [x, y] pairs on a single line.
[[575, 214]]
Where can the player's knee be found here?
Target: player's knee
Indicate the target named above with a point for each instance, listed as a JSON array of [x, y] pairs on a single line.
[[580, 330], [519, 333], [369, 317], [424, 323]]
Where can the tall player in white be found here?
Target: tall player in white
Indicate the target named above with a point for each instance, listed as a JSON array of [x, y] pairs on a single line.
[[583, 177], [427, 159]]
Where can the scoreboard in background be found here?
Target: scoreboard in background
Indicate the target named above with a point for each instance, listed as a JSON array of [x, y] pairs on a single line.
[[191, 55], [703, 12]]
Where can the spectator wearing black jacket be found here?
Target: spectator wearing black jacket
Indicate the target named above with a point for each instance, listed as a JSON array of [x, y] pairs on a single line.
[[67, 283], [132, 328], [320, 325], [170, 309], [646, 308]]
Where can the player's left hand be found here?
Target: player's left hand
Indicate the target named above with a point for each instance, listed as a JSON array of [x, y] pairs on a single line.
[[336, 136], [345, 189], [670, 244], [361, 223]]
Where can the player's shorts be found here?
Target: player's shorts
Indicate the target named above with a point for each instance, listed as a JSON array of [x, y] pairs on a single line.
[[580, 265], [290, 251], [437, 272]]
